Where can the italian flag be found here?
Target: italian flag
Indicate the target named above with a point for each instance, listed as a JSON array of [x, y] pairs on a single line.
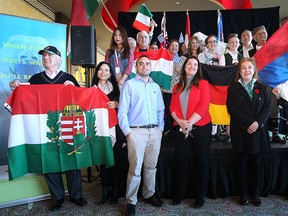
[[142, 20], [59, 128], [161, 66], [81, 12]]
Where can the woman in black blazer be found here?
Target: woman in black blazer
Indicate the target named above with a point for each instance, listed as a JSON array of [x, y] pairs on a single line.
[[249, 108]]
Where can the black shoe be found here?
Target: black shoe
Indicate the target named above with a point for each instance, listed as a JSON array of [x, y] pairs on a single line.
[[176, 202], [199, 203], [243, 202], [56, 205], [130, 210], [80, 202], [114, 200], [105, 195], [154, 201], [256, 201], [277, 139]]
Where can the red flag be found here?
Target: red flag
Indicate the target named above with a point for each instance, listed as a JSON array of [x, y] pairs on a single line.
[[187, 30], [78, 14], [81, 11], [234, 4], [113, 7]]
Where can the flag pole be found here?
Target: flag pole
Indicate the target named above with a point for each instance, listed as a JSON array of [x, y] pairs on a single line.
[[109, 14]]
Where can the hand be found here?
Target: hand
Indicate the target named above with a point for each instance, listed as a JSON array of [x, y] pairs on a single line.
[[275, 91], [68, 82], [112, 104], [253, 127], [14, 84]]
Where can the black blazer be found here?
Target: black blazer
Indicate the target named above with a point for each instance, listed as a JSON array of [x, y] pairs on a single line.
[[244, 112]]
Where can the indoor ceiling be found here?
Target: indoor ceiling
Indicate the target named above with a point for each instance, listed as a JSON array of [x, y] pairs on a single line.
[[104, 35]]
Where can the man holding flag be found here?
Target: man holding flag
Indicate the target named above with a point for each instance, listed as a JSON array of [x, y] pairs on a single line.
[[51, 59], [260, 35]]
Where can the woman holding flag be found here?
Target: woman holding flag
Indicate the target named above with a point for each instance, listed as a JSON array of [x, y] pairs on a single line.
[[113, 179]]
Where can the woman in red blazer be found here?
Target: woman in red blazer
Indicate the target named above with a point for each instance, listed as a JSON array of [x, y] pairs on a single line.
[[192, 121], [249, 108]]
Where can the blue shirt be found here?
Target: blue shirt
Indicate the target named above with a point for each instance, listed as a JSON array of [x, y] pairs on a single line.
[[140, 104]]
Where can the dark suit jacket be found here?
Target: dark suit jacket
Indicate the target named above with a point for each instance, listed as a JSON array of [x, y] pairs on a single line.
[[252, 52], [244, 112]]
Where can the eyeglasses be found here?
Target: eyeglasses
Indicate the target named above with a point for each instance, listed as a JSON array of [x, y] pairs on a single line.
[[211, 42]]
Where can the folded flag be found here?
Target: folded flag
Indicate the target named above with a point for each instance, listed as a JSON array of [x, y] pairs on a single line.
[[58, 129], [161, 66], [143, 19], [271, 59], [219, 79]]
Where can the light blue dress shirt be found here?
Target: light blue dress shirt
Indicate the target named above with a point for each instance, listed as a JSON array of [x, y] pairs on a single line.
[[140, 104]]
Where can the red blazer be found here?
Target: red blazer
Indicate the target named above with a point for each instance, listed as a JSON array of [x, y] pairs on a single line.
[[198, 102]]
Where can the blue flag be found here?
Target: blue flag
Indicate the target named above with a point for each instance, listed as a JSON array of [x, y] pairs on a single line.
[[220, 34]]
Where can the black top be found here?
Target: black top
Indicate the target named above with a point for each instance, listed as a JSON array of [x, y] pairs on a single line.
[[42, 78]]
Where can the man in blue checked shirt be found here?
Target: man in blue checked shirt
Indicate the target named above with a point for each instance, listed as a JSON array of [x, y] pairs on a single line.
[[141, 118]]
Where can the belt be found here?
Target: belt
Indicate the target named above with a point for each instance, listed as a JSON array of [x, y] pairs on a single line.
[[145, 126]]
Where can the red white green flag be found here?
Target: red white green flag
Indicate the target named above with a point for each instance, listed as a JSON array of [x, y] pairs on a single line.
[[81, 12], [161, 66], [143, 19], [58, 129]]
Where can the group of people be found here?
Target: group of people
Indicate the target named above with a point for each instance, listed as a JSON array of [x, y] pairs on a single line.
[[141, 105]]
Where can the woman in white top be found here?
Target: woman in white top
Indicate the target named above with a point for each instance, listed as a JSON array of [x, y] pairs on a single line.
[[210, 56]]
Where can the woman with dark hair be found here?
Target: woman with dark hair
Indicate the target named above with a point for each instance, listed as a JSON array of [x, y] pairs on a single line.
[[113, 179], [173, 47], [120, 56], [249, 108], [189, 109]]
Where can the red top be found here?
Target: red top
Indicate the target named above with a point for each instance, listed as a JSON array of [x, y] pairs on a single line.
[[198, 102]]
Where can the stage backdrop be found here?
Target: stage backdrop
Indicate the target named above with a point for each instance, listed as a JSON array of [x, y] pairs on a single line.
[[234, 21], [20, 40]]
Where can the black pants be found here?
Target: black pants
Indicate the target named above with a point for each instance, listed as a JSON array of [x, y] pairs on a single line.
[[168, 118], [249, 164], [56, 186], [199, 143]]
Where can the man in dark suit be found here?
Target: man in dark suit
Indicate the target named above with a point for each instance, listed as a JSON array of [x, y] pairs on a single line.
[[260, 36]]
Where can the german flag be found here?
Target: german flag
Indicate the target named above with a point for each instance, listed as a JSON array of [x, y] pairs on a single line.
[[219, 78]]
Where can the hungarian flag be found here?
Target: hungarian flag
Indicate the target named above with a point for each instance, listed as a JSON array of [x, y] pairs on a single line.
[[161, 66], [219, 79], [233, 4], [82, 11], [110, 11], [59, 128], [272, 58], [143, 18]]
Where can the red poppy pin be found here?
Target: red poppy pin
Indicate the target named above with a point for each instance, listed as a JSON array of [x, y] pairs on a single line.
[[256, 91]]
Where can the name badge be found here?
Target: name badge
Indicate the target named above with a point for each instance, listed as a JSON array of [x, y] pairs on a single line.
[[117, 70]]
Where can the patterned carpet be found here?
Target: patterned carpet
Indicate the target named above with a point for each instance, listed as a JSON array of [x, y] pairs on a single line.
[[272, 205]]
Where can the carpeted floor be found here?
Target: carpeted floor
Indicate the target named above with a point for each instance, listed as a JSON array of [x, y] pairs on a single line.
[[272, 205]]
